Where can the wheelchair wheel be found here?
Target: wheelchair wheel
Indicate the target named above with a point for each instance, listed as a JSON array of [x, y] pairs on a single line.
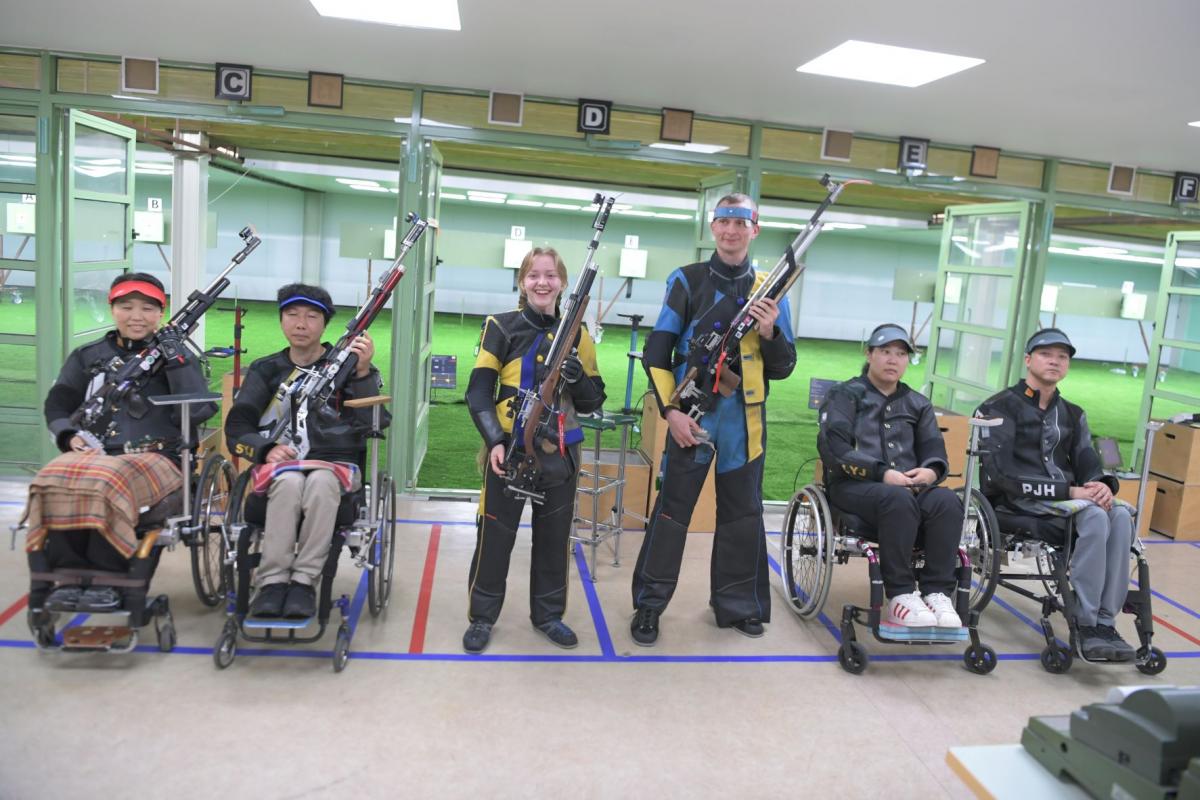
[[341, 648], [383, 550], [166, 637], [226, 648], [1155, 664], [807, 551], [853, 657], [980, 659], [983, 543], [209, 508], [41, 625], [1056, 658]]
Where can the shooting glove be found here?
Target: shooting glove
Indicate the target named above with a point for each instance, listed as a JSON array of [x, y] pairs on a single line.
[[170, 342], [572, 369]]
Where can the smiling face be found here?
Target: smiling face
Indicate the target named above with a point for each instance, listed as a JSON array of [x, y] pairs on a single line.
[[542, 283], [302, 325], [136, 316], [733, 236], [886, 364], [1048, 365]]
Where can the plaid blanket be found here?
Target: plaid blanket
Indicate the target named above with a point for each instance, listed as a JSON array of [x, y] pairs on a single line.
[[263, 474], [98, 492]]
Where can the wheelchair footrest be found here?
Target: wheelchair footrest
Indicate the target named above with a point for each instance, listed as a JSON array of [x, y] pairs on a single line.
[[930, 633], [263, 623], [98, 637]]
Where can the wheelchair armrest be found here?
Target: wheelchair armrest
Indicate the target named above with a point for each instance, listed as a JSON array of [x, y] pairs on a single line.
[[185, 399], [367, 402]]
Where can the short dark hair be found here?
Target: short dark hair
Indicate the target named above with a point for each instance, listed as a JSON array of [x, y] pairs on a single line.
[[313, 296], [737, 199]]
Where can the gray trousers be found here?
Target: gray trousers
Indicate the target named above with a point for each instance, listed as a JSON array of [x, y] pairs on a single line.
[[298, 501], [1100, 563]]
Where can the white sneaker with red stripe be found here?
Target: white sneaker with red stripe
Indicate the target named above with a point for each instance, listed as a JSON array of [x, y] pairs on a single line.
[[910, 611], [943, 610]]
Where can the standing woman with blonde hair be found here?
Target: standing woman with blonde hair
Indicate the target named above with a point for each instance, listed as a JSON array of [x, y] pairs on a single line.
[[512, 352]]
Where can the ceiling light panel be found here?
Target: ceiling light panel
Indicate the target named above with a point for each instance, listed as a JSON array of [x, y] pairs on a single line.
[[881, 63], [438, 14]]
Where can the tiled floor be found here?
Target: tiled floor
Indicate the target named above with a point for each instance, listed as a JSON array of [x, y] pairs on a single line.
[[705, 713]]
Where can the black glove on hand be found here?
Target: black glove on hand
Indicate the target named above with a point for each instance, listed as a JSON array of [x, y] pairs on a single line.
[[170, 342], [572, 369]]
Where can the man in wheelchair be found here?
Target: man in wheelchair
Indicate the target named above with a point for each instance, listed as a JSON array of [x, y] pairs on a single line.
[[302, 496], [883, 456], [90, 507], [1040, 463]]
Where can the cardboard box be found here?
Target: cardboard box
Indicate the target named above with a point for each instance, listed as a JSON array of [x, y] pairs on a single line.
[[956, 433], [635, 500], [1176, 453], [1129, 493], [654, 438], [1176, 509]]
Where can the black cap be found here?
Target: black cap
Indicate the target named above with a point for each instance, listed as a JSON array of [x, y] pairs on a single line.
[[888, 333], [1046, 337]]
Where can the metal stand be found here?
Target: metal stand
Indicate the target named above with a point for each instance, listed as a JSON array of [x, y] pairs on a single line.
[[603, 531]]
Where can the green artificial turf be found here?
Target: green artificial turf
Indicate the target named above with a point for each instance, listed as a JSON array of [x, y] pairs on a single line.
[[1111, 400]]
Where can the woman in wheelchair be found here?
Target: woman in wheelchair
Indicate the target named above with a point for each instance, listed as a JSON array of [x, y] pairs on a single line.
[[883, 457], [84, 505], [512, 344], [1040, 465], [302, 497]]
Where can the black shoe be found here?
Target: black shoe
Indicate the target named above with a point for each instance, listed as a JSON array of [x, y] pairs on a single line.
[[301, 602], [558, 633], [1122, 650], [64, 598], [99, 599], [644, 627], [1094, 645], [476, 639], [269, 600], [749, 627]]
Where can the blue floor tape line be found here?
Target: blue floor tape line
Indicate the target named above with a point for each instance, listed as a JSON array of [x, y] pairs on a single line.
[[829, 626], [1171, 602], [589, 590], [582, 659]]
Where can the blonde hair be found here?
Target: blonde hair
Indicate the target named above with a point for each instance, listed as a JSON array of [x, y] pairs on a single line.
[[527, 264]]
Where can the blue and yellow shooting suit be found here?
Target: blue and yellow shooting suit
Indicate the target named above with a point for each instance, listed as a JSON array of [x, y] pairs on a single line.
[[702, 297], [512, 350]]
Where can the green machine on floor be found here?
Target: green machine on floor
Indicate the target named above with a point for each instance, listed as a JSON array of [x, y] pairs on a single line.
[[1146, 746]]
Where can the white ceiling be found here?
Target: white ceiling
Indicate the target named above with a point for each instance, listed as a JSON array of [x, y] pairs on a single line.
[[1103, 80]]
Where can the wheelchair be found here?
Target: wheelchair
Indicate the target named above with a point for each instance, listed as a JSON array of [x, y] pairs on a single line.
[[365, 524], [160, 527], [817, 536]]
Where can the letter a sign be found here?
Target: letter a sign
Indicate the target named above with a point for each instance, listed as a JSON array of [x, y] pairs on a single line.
[[594, 116]]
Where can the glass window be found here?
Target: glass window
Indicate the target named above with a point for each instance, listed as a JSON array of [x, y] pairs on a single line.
[[99, 161], [18, 222], [1183, 318], [984, 240], [18, 370], [18, 149], [977, 299], [18, 311], [21, 443], [1187, 266], [1179, 372], [969, 357], [89, 300], [98, 231]]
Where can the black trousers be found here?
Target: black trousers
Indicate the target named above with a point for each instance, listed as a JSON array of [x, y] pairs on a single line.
[[903, 521], [739, 580], [495, 534], [83, 550]]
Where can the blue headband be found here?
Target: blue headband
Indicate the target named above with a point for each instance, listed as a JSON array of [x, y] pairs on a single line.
[[302, 299], [737, 212]]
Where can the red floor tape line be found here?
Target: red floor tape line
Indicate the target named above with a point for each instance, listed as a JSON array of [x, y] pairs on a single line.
[[421, 617], [11, 611], [1172, 628]]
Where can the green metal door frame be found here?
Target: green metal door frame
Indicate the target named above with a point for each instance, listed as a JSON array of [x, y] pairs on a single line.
[[1170, 294], [1008, 335], [70, 215]]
